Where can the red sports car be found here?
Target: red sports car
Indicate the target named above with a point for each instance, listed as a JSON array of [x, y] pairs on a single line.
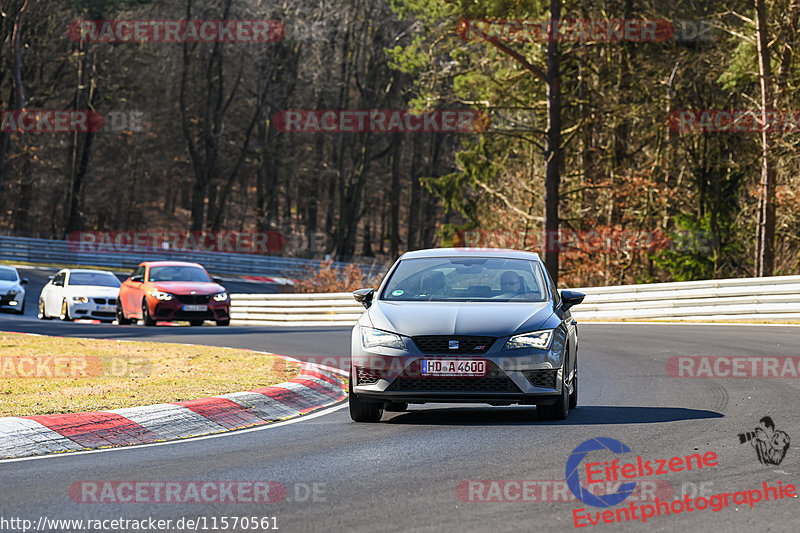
[[172, 290]]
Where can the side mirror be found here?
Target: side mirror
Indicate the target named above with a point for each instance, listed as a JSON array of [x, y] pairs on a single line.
[[59, 283], [570, 298], [137, 279], [50, 278], [24, 281], [218, 281], [364, 296]]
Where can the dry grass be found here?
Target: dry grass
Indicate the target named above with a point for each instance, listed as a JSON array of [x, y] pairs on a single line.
[[45, 375]]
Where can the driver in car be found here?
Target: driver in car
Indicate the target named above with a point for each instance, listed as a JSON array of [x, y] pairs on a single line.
[[511, 282]]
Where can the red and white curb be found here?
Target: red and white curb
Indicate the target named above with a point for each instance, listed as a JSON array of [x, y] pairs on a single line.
[[316, 387]]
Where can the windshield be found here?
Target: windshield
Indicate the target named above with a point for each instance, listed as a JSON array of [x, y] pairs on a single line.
[[466, 279], [178, 273], [7, 275], [94, 278]]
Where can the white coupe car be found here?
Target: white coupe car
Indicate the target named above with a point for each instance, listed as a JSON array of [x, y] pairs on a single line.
[[12, 292], [73, 293]]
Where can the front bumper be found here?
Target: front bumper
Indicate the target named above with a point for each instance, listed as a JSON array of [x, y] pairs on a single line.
[[175, 310], [525, 376], [95, 309], [7, 299]]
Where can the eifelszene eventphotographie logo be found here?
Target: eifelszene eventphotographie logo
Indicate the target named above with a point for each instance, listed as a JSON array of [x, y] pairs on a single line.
[[575, 462]]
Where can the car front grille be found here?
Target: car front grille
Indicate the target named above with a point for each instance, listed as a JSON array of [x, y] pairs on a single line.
[[194, 298], [366, 376], [545, 378], [440, 344], [104, 301], [494, 381]]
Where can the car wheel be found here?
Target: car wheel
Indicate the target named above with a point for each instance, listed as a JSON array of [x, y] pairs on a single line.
[[42, 315], [224, 322], [64, 311], [396, 407], [146, 319], [560, 409], [121, 320], [573, 398], [361, 411], [196, 322]]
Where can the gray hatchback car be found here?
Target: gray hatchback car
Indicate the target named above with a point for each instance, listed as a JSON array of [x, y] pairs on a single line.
[[465, 326]]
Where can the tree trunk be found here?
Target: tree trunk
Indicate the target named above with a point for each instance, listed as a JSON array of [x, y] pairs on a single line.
[[765, 231], [394, 226], [413, 203], [553, 146], [18, 89]]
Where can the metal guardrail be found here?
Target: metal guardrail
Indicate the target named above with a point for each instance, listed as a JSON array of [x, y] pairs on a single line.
[[60, 252], [773, 298]]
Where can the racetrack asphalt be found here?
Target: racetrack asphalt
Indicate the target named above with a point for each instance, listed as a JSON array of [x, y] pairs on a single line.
[[403, 473]]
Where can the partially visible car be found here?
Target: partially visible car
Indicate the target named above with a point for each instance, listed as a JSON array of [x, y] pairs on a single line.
[[173, 290], [465, 326], [12, 292], [80, 293]]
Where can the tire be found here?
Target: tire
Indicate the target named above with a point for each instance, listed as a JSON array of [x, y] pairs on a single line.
[[42, 315], [64, 311], [196, 322], [396, 407], [361, 411], [573, 398], [560, 409], [147, 320], [226, 322], [121, 320]]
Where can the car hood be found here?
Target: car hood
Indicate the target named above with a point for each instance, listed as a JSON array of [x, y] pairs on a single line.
[[92, 290], [495, 319], [185, 287]]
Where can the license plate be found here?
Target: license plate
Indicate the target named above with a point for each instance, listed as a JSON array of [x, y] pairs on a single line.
[[195, 308], [454, 367], [106, 308]]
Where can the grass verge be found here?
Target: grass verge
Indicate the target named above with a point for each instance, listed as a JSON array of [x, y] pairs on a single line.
[[45, 375]]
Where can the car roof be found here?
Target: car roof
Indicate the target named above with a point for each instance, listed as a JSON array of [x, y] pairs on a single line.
[[6, 267], [170, 263], [504, 253]]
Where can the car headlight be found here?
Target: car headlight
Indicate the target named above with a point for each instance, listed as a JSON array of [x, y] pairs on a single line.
[[535, 339], [80, 299], [371, 337], [161, 295], [221, 297]]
